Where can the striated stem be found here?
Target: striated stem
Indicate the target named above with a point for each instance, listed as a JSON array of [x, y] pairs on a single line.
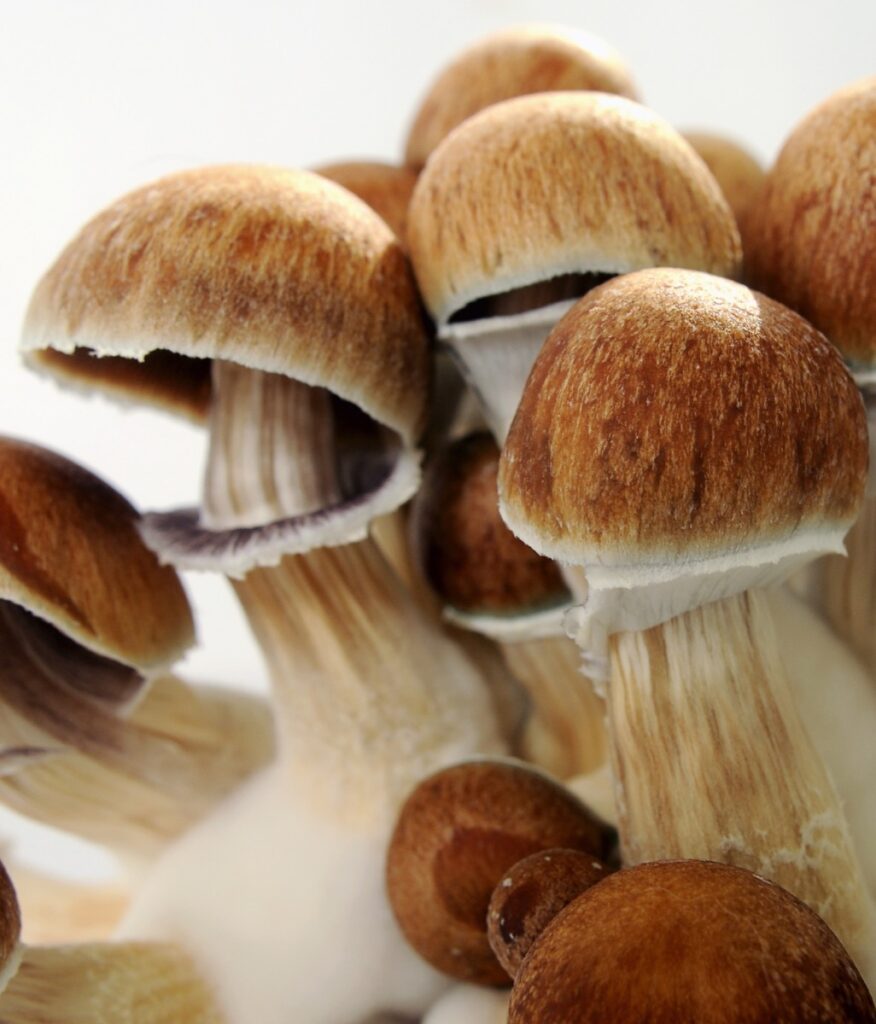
[[366, 688], [712, 762], [217, 739], [107, 983], [272, 449], [845, 588], [566, 733]]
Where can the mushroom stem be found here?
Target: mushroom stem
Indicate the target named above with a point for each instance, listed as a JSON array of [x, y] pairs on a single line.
[[360, 676], [178, 754], [272, 449], [58, 910], [566, 732], [107, 983], [712, 762]]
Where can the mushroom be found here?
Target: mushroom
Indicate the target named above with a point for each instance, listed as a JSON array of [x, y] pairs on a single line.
[[386, 188], [458, 832], [530, 203], [686, 441], [531, 895], [738, 173], [493, 584], [688, 941], [513, 62], [813, 248], [303, 298], [95, 983], [87, 616], [470, 1004]]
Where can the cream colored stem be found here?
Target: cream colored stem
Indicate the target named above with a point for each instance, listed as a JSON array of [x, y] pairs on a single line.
[[366, 688], [845, 588], [713, 762], [107, 983], [271, 451], [566, 731], [57, 910], [218, 739]]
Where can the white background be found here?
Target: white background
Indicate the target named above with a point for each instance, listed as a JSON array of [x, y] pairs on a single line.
[[97, 97]]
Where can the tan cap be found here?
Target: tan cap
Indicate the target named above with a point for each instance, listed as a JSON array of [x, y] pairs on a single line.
[[813, 239], [562, 183], [70, 554], [278, 270], [514, 62], [386, 188], [740, 176], [674, 416], [688, 941]]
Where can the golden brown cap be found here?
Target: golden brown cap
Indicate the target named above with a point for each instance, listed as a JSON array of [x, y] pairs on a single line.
[[464, 550], [386, 188], [514, 62], [673, 415], [71, 554], [813, 239], [457, 834], [693, 943], [740, 176], [562, 183], [278, 270]]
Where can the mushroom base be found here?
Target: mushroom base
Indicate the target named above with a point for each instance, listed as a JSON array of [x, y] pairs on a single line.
[[712, 762]]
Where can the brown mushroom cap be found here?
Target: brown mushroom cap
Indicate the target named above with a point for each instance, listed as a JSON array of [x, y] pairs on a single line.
[[10, 918], [740, 176], [814, 229], [386, 188], [514, 62], [465, 551], [673, 415], [456, 835], [688, 941], [562, 183], [278, 270], [531, 895], [70, 553]]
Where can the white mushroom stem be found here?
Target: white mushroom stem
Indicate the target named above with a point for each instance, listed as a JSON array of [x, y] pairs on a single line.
[[470, 1004], [285, 467], [213, 738], [712, 762], [566, 731], [369, 695], [107, 983]]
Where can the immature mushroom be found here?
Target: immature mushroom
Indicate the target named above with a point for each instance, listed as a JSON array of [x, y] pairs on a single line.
[[304, 299], [86, 615], [532, 202], [513, 62], [493, 584], [814, 248], [531, 895], [458, 832], [386, 188], [688, 941], [683, 440], [95, 983]]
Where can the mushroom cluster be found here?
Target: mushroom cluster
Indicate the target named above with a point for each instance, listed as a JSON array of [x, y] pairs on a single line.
[[560, 716]]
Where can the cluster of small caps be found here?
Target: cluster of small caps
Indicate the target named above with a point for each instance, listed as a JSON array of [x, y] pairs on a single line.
[[665, 443]]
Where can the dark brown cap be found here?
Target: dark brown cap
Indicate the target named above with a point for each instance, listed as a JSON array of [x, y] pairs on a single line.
[[71, 554], [464, 550], [457, 834], [693, 943]]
